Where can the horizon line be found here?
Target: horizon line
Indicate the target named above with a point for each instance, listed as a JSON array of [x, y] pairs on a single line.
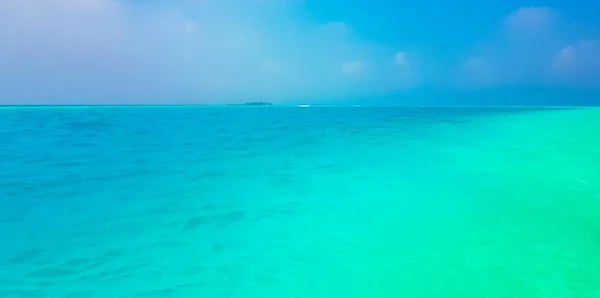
[[230, 105]]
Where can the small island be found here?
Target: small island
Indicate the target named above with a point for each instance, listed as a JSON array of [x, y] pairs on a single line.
[[253, 104], [262, 104]]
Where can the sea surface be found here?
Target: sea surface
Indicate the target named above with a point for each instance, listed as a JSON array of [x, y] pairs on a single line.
[[299, 202]]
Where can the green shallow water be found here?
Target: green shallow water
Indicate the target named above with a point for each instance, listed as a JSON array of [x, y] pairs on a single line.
[[318, 202]]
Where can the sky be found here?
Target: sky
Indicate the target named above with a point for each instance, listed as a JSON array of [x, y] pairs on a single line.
[[462, 52]]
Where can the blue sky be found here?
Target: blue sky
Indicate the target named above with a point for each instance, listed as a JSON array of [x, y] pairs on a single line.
[[208, 51]]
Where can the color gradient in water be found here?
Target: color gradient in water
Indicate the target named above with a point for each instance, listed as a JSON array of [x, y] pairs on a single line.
[[287, 202]]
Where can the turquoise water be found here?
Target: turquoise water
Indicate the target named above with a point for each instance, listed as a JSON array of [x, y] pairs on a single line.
[[289, 202]]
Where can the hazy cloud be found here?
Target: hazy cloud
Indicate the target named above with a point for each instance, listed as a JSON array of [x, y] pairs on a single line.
[[530, 47], [113, 51], [353, 67], [401, 59], [530, 20], [578, 63], [108, 51]]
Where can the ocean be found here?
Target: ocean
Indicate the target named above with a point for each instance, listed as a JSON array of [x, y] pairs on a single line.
[[299, 202]]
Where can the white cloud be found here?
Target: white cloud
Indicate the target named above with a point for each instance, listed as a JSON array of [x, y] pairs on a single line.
[[578, 63], [583, 54], [565, 58], [530, 20], [401, 59], [527, 49]]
